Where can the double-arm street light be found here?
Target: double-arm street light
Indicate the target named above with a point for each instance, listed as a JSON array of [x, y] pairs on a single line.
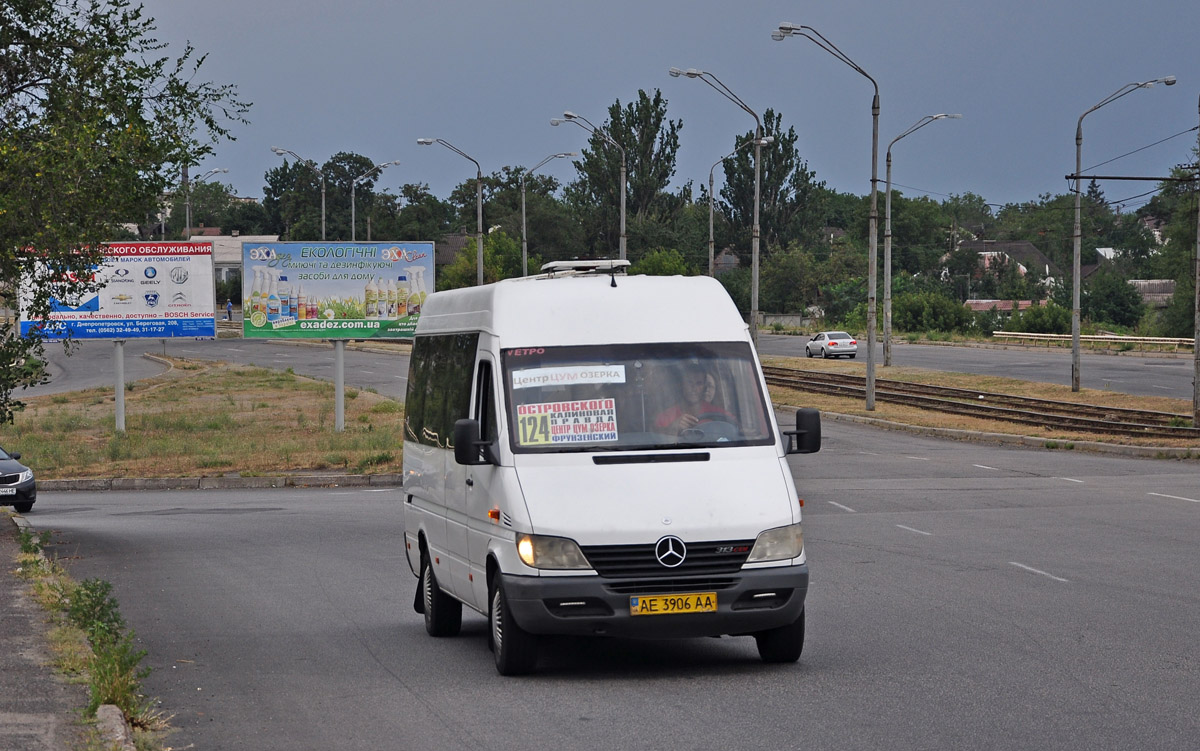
[[354, 185], [1077, 237], [791, 29], [524, 174], [887, 236], [723, 90], [313, 166], [1196, 294], [711, 244], [187, 191], [478, 202], [583, 122]]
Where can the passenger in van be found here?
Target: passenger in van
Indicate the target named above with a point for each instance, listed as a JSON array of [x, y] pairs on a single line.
[[699, 387]]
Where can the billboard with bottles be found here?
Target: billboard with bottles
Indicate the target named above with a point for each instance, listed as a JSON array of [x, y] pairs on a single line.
[[325, 290]]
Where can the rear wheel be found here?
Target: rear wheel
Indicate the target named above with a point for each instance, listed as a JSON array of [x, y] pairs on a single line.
[[853, 356], [783, 644], [824, 354], [514, 648], [24, 507], [443, 613]]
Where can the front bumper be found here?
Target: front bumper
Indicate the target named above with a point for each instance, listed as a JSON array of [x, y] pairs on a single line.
[[25, 492], [748, 601]]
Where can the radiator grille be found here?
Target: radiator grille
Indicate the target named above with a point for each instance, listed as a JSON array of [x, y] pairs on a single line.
[[637, 561]]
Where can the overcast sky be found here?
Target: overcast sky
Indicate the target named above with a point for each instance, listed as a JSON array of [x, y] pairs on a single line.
[[372, 77]]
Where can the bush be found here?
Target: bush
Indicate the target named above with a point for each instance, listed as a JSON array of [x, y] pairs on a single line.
[[1043, 319], [929, 311]]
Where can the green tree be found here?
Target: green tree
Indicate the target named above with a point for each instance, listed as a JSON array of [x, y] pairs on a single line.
[[651, 143], [94, 124], [792, 204], [1107, 297], [662, 263], [501, 260]]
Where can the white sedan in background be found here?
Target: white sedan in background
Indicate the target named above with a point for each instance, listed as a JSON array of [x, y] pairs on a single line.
[[832, 344]]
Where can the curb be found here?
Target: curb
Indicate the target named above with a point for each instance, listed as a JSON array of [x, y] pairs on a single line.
[[215, 483], [1050, 444]]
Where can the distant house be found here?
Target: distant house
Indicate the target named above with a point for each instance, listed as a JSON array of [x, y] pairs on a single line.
[[227, 250], [724, 261], [445, 251], [1002, 306], [1024, 254], [1156, 293]]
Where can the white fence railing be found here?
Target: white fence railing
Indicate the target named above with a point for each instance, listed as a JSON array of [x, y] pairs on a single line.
[[1106, 339]]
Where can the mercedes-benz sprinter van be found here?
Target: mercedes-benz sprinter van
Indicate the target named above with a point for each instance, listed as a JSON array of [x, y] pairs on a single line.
[[592, 453]]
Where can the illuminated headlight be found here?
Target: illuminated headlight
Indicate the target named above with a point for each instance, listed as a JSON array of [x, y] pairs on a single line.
[[550, 552], [25, 476], [778, 544]]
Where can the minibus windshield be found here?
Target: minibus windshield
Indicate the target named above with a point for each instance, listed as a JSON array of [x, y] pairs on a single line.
[[623, 397]]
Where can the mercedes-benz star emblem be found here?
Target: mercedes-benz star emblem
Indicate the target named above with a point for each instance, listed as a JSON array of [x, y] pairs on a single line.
[[670, 551]]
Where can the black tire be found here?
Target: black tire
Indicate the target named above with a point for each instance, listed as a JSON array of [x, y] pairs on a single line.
[[853, 356], [443, 613], [514, 648], [824, 354], [807, 351], [23, 507], [783, 644]]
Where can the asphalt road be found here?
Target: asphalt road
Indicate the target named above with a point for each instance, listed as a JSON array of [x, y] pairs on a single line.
[[963, 596], [91, 366], [1126, 374]]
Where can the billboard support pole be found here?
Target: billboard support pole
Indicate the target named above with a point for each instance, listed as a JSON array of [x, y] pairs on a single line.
[[339, 384], [119, 361]]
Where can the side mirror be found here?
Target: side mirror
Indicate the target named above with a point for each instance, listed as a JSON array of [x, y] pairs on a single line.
[[468, 447], [806, 438], [15, 454]]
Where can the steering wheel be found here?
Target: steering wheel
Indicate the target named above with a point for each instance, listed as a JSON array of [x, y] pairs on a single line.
[[714, 426]]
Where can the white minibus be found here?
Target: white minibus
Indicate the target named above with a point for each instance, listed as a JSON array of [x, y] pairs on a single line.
[[592, 453]]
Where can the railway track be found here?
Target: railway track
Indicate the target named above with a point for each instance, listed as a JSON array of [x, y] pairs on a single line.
[[991, 406]]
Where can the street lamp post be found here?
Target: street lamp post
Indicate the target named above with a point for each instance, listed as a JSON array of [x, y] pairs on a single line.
[[790, 29], [353, 186], [711, 243], [187, 191], [1077, 237], [524, 174], [887, 237], [1196, 293], [478, 202], [313, 166], [571, 117], [723, 90]]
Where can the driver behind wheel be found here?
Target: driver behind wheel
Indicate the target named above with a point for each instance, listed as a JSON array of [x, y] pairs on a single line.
[[698, 387]]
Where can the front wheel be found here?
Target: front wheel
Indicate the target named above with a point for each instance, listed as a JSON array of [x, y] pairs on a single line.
[[24, 507], [807, 351], [783, 644], [443, 613], [514, 648]]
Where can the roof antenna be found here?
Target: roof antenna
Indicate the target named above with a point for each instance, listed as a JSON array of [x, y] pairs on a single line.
[[612, 274]]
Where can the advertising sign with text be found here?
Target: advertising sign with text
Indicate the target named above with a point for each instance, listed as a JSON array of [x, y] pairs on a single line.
[[143, 290], [319, 290]]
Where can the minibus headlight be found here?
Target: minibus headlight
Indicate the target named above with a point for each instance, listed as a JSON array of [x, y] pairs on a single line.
[[778, 544], [537, 551]]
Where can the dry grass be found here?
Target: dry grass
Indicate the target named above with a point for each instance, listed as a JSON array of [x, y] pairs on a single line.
[[994, 384], [204, 419]]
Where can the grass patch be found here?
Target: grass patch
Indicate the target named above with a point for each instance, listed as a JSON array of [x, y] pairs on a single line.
[[204, 418], [89, 641]]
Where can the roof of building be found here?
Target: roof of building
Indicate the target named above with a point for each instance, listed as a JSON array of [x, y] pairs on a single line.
[[1024, 253]]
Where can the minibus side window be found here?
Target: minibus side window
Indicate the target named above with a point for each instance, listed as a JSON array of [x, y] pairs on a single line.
[[439, 387], [485, 402]]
